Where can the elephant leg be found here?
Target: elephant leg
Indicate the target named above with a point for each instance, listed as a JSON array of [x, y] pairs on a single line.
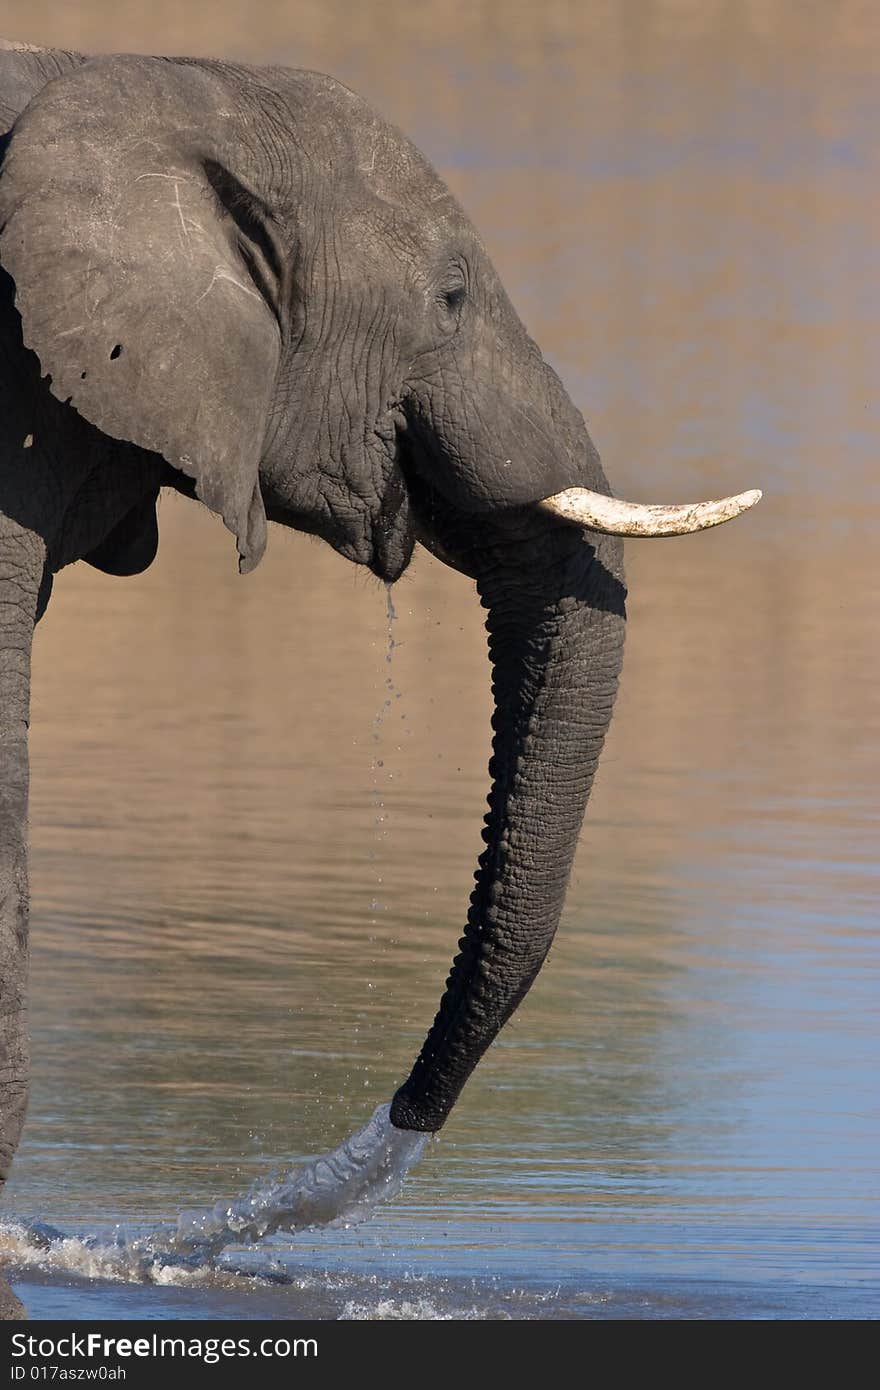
[[22, 565]]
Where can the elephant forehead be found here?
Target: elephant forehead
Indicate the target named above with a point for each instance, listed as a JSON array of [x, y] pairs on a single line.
[[357, 141], [395, 170]]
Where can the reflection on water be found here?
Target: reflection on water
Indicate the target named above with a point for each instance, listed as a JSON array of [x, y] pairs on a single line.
[[246, 889]]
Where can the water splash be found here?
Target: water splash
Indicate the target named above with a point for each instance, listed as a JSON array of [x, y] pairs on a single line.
[[341, 1187], [345, 1185]]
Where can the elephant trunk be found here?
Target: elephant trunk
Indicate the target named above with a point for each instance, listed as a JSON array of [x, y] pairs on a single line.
[[556, 626], [22, 555]]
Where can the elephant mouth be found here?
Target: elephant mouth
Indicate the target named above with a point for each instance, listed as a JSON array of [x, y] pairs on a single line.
[[439, 526]]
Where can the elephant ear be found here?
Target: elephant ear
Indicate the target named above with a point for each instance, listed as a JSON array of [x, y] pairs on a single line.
[[138, 251]]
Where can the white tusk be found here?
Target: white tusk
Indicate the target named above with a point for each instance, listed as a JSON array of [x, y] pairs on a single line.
[[616, 518]]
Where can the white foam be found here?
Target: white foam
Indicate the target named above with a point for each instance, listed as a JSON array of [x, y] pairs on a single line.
[[405, 1310], [95, 1257]]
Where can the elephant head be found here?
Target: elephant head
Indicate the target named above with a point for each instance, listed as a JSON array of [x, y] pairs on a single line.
[[248, 274]]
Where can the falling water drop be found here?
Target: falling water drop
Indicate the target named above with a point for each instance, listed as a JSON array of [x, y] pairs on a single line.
[[380, 817]]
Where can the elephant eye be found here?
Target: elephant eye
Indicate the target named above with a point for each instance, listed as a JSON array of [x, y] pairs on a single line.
[[455, 297]]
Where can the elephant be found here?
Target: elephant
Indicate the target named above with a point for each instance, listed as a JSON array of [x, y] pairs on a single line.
[[245, 285]]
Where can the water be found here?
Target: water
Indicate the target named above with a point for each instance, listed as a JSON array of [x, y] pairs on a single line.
[[681, 1119]]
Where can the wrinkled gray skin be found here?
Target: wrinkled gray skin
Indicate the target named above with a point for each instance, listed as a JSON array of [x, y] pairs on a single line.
[[244, 284]]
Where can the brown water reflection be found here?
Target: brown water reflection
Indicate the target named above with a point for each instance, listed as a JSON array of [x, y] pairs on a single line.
[[242, 920]]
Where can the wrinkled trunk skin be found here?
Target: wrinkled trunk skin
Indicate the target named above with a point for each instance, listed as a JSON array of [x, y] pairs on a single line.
[[22, 555], [555, 603]]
